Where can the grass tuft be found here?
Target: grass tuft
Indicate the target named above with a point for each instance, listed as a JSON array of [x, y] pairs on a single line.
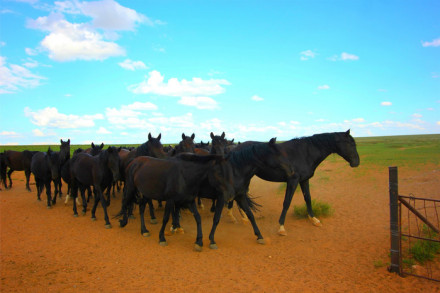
[[320, 209]]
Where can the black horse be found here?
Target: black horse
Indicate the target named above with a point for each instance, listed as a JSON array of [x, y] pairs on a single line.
[[177, 181], [305, 154], [186, 145], [46, 168], [19, 161], [3, 168], [97, 171], [245, 163], [64, 159]]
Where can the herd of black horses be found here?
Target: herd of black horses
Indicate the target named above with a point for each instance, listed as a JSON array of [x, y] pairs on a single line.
[[179, 176]]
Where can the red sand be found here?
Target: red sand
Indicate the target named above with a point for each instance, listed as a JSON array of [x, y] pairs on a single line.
[[50, 250]]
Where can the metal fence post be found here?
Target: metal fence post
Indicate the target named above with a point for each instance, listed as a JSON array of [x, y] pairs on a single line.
[[394, 221]]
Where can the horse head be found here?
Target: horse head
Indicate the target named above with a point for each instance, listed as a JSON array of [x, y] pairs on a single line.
[[64, 151], [186, 145], [221, 177], [218, 145], [346, 148], [155, 147], [113, 161]]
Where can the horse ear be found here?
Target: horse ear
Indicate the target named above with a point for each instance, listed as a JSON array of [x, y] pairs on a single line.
[[223, 134], [68, 141], [49, 151], [212, 135], [232, 141], [102, 146], [160, 135], [183, 135], [119, 149], [61, 141], [149, 136], [193, 136], [348, 132], [273, 141], [93, 145]]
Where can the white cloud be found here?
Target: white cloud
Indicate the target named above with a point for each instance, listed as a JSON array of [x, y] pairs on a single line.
[[256, 98], [140, 106], [154, 84], [9, 134], [434, 43], [385, 103], [358, 120], [324, 87], [438, 122], [102, 130], [50, 117], [344, 57], [132, 65], [70, 41], [203, 103], [15, 76], [306, 55], [38, 132], [31, 52], [417, 115], [130, 115]]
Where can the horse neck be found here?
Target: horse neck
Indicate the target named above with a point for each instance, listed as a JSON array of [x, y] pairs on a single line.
[[243, 164], [322, 147]]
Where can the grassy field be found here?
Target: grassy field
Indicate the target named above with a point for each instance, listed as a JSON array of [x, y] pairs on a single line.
[[384, 151]]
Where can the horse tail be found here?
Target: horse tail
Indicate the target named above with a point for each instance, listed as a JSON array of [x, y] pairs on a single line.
[[252, 203], [129, 192]]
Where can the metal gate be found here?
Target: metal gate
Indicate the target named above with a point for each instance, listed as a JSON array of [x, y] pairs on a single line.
[[415, 236]]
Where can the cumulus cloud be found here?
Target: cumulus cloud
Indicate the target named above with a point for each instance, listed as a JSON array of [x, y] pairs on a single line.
[[306, 55], [9, 134], [386, 103], [154, 84], [130, 116], [102, 130], [132, 65], [203, 103], [38, 132], [344, 57], [256, 98], [324, 87], [50, 117], [13, 77], [433, 43]]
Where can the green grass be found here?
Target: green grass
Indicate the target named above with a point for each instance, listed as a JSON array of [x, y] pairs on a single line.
[[425, 250], [320, 209]]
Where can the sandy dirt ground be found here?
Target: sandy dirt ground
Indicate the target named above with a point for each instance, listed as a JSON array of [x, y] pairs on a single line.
[[49, 250]]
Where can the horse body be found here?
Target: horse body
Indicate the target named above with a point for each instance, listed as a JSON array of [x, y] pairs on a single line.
[[97, 171], [19, 161], [305, 155], [46, 168], [245, 163], [176, 181]]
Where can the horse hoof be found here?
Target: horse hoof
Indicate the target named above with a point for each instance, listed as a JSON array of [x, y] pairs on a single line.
[[93, 219], [153, 221], [131, 217], [146, 234], [213, 246], [202, 206], [163, 243], [75, 215], [261, 241], [315, 221], [282, 233], [197, 248], [49, 207], [108, 226], [83, 213], [39, 199], [179, 231]]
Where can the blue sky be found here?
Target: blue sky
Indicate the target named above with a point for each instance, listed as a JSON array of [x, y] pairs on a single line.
[[114, 71]]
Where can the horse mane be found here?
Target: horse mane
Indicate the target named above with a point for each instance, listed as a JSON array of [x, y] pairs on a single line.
[[248, 154], [323, 140]]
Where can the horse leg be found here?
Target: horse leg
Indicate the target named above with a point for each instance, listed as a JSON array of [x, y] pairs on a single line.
[[243, 204], [305, 188], [169, 205], [199, 240], [230, 214], [27, 173], [213, 206], [74, 196], [9, 176], [38, 185], [292, 183], [217, 214], [48, 193], [175, 226], [55, 187], [84, 202], [153, 219], [142, 204], [104, 206], [200, 203], [95, 204]]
